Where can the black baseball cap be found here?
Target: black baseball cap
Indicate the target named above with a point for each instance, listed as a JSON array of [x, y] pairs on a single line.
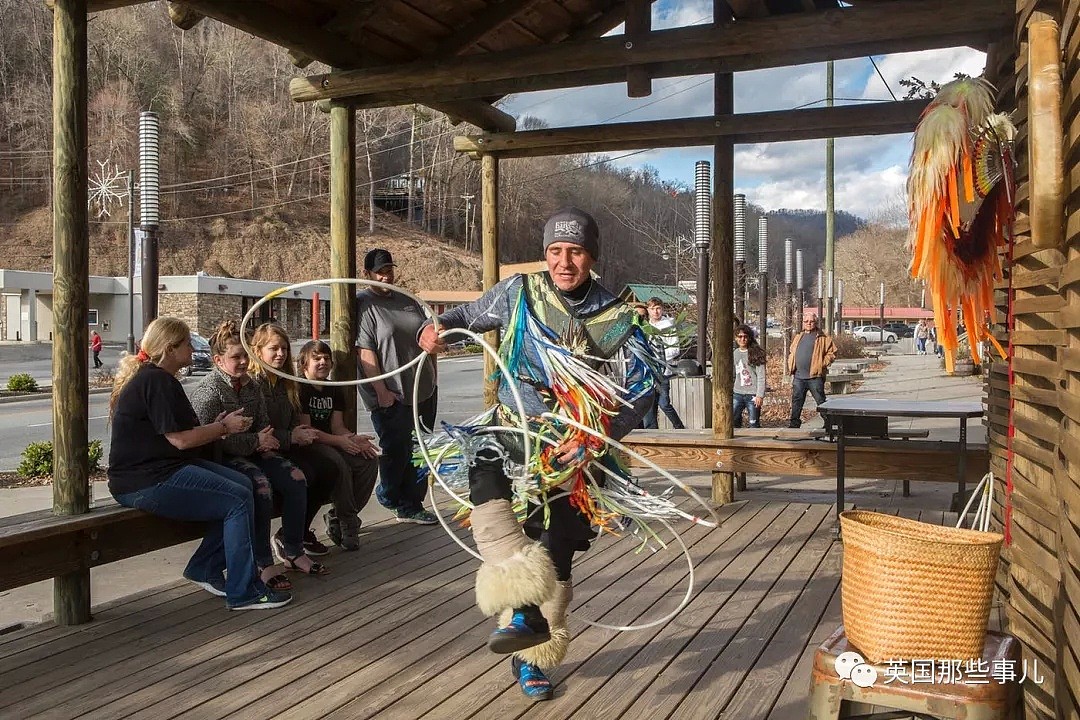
[[378, 258]]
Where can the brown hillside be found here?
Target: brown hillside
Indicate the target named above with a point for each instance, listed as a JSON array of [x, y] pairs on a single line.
[[289, 245]]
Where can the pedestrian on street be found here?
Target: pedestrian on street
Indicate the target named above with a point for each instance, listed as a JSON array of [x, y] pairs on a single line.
[[95, 347], [922, 334], [812, 352]]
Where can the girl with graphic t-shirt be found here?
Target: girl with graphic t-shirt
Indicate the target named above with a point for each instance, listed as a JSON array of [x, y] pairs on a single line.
[[749, 390], [322, 407]]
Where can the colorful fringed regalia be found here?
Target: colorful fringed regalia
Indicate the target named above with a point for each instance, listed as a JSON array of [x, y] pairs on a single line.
[[960, 202], [563, 358]]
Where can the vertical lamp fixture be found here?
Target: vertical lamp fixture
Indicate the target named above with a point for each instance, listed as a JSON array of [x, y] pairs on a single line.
[[149, 217], [702, 239]]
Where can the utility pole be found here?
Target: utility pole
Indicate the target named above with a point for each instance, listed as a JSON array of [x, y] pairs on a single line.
[[830, 206], [412, 155], [468, 227]]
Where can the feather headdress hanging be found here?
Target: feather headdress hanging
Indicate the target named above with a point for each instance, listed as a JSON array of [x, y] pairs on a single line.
[[960, 205]]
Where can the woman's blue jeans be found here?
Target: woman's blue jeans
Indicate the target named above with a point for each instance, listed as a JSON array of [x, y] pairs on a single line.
[[222, 498], [741, 401], [272, 471]]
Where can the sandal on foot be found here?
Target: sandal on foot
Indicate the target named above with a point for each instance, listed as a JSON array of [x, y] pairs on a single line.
[[278, 583], [316, 568]]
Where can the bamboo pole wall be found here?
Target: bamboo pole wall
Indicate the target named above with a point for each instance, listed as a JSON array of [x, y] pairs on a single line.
[[1039, 578], [1068, 466]]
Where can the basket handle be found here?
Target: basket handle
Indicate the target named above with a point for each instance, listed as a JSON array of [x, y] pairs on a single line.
[[985, 492]]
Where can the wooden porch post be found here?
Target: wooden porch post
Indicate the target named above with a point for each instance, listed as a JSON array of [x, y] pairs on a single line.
[[71, 289], [723, 283], [343, 248], [489, 228]]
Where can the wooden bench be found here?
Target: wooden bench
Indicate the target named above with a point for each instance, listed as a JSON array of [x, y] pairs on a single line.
[[770, 451], [840, 384], [40, 545]]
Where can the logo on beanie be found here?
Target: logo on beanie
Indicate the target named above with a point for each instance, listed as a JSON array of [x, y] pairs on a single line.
[[570, 229]]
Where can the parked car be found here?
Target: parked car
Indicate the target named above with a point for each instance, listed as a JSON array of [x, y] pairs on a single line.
[[873, 333], [902, 330], [200, 355]]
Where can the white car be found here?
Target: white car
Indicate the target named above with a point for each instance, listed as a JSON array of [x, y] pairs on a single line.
[[872, 333]]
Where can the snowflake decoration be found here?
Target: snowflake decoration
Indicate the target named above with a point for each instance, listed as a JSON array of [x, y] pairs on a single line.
[[109, 186]]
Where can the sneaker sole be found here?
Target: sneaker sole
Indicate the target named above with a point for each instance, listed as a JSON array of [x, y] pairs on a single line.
[[315, 553], [262, 606], [207, 587], [508, 644], [414, 521]]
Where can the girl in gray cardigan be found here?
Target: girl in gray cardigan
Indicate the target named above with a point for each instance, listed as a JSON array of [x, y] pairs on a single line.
[[256, 454], [749, 390]]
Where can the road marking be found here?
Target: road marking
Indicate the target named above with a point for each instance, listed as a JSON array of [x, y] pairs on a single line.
[[45, 424]]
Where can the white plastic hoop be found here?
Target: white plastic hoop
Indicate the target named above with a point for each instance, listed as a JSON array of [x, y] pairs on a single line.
[[333, 281]]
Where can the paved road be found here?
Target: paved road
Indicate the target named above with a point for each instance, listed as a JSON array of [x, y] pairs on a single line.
[[21, 423]]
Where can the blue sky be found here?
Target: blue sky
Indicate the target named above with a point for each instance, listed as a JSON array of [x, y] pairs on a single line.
[[870, 171]]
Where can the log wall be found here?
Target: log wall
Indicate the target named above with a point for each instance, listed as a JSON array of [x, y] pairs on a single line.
[[1039, 578]]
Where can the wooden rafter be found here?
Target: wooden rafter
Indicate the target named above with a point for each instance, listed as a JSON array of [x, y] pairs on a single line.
[[773, 126], [311, 41], [475, 30], [743, 45]]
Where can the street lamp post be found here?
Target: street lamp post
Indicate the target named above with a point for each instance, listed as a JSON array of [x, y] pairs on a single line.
[[881, 309], [763, 280]]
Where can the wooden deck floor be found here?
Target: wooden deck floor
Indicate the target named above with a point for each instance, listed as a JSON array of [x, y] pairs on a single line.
[[393, 633]]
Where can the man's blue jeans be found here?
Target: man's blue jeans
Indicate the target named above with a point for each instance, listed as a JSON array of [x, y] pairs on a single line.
[[663, 401], [399, 486], [222, 498], [815, 386], [744, 401]]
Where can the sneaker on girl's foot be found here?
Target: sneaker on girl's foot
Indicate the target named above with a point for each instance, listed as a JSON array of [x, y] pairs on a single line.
[[420, 517], [214, 586], [333, 526], [269, 601], [312, 546]]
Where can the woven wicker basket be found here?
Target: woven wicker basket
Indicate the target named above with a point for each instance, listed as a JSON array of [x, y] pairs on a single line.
[[915, 591]]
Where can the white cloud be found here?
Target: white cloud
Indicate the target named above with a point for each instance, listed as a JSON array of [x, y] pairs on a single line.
[[865, 193]]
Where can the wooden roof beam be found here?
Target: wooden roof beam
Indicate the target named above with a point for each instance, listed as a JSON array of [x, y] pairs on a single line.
[[476, 29], [774, 126], [311, 41], [93, 6], [744, 45]]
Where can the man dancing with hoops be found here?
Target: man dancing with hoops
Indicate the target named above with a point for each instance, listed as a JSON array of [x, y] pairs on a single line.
[[573, 349]]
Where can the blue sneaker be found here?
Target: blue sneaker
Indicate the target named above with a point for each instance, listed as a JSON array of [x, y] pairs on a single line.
[[531, 679], [518, 635], [270, 600]]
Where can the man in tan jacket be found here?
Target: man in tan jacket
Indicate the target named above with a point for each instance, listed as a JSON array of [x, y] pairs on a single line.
[[812, 352]]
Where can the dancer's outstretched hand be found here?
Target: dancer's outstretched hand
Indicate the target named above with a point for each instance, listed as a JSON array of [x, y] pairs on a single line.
[[430, 341]]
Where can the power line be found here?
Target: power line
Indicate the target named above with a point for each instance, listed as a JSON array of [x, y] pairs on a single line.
[[887, 87]]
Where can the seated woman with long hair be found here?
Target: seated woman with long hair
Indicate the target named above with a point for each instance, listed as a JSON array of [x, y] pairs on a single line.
[[155, 465]]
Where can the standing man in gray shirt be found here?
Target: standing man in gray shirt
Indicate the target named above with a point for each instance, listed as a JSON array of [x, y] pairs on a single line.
[[387, 325], [812, 352]]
